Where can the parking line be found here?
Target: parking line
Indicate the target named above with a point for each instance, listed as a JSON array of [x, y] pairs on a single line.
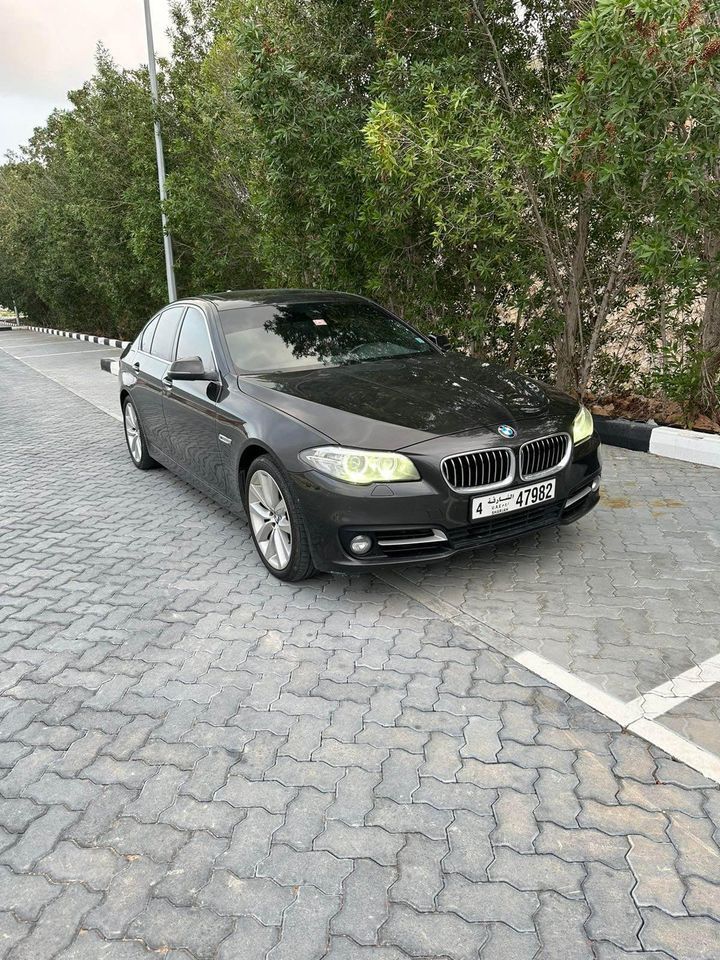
[[64, 353], [677, 691], [630, 715]]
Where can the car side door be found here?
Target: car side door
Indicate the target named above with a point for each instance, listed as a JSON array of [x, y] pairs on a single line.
[[190, 406], [149, 367]]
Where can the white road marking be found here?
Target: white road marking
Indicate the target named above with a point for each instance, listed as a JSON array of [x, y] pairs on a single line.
[[64, 353], [631, 716], [677, 691], [43, 373]]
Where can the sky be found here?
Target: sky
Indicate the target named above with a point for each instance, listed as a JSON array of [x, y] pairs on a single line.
[[48, 47]]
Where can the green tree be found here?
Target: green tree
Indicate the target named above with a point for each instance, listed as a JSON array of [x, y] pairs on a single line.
[[640, 120]]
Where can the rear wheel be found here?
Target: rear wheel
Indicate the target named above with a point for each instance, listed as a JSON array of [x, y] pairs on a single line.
[[276, 522], [135, 438]]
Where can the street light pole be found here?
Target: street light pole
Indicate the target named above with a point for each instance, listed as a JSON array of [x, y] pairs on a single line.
[[167, 239]]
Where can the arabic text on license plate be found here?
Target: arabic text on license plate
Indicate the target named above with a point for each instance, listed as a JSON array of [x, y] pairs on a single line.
[[505, 501]]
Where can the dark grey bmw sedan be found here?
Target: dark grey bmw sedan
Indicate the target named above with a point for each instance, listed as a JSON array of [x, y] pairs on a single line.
[[349, 438]]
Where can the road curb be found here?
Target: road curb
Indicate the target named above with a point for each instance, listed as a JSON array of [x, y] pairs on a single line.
[[89, 338], [690, 446]]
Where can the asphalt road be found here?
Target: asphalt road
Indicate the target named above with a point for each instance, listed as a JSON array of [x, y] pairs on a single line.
[[200, 761]]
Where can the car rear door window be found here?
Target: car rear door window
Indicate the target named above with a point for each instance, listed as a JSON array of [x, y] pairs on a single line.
[[194, 340], [147, 335], [164, 339]]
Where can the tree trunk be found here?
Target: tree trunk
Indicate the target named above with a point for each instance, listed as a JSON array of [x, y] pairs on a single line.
[[710, 330], [566, 344]]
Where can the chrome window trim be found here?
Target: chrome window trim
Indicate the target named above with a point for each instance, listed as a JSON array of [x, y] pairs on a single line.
[[488, 486], [190, 306], [553, 470]]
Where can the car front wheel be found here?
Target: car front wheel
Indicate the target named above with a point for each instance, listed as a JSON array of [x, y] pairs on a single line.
[[135, 438], [276, 522]]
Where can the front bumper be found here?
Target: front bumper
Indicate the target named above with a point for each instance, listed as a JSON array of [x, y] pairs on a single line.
[[424, 520]]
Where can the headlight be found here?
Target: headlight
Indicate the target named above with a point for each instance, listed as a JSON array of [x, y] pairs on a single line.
[[361, 466], [583, 425]]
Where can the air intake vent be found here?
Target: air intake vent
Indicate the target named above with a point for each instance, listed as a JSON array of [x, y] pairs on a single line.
[[540, 458], [484, 469]]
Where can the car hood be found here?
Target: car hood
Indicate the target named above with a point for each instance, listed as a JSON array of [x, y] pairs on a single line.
[[395, 403]]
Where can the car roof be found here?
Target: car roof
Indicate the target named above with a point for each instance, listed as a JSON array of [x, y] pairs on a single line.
[[229, 299]]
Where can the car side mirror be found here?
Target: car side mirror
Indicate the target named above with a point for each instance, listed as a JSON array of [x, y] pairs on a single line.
[[190, 368], [441, 340]]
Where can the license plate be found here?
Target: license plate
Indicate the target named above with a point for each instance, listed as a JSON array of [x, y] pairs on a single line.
[[506, 501]]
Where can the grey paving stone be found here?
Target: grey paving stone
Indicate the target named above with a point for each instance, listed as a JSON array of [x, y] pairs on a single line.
[[560, 927], [215, 816], [433, 934], [399, 779], [191, 869], [698, 853], [505, 943], [455, 796], [208, 775], [516, 824], [241, 792], [250, 842], [340, 754], [481, 739], [93, 866], [251, 941], [129, 773], [537, 872], [305, 926], [613, 914], [157, 794], [364, 902], [305, 818], [410, 818], [58, 924], [305, 773], [159, 842], [689, 938], [341, 948], [489, 902], [39, 838], [470, 850], [256, 897], [420, 876], [374, 843], [623, 820], [581, 844], [16, 814], [100, 814], [292, 868], [89, 945], [354, 795], [12, 931], [702, 898], [162, 925], [126, 897], [26, 894], [655, 868]]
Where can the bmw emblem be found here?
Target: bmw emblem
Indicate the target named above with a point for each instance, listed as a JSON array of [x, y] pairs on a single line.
[[505, 431]]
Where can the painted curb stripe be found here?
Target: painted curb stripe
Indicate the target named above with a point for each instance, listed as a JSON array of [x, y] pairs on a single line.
[[88, 338]]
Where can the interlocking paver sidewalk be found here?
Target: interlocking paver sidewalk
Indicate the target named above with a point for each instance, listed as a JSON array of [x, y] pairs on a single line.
[[197, 761]]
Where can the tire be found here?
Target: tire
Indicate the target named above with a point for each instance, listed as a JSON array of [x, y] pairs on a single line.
[[276, 522], [135, 438]]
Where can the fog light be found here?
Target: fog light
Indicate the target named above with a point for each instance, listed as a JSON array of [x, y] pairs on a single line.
[[595, 485], [360, 545]]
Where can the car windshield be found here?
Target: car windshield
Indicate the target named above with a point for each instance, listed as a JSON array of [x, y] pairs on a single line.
[[296, 336]]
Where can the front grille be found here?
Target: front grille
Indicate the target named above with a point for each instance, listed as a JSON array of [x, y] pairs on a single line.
[[538, 458], [506, 525], [484, 468]]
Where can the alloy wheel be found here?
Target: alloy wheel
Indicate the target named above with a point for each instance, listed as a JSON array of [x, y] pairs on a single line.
[[270, 520], [132, 432]]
